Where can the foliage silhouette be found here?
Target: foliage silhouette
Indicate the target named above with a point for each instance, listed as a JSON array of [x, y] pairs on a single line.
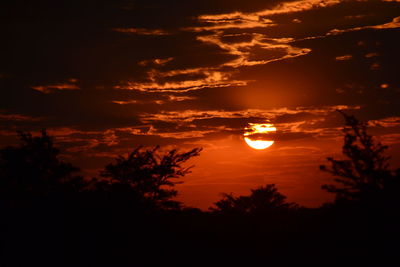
[[149, 174], [364, 176], [262, 200], [34, 169]]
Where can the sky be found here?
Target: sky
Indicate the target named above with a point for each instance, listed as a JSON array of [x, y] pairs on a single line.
[[104, 77]]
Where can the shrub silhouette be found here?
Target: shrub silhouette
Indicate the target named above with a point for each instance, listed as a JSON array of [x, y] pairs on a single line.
[[364, 176], [262, 200], [148, 175]]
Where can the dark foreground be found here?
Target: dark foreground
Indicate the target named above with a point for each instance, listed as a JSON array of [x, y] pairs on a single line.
[[45, 234]]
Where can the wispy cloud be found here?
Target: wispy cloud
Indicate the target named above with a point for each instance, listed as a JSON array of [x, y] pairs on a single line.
[[125, 102], [268, 115], [369, 55], [165, 99], [46, 89], [142, 31], [17, 117], [386, 122], [235, 20], [395, 23], [164, 81], [200, 123], [243, 49], [242, 20], [222, 75], [156, 61], [343, 58]]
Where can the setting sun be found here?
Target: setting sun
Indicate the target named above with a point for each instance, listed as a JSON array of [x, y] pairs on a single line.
[[257, 134]]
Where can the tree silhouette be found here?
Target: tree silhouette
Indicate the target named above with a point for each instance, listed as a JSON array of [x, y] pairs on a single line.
[[149, 174], [33, 168], [364, 176], [262, 200]]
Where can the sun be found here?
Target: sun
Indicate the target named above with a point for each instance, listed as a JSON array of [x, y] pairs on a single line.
[[256, 135], [258, 144]]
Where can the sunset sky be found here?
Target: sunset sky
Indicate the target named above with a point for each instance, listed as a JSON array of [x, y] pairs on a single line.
[[106, 76]]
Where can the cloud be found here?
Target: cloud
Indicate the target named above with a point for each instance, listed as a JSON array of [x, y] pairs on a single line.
[[142, 31], [266, 114], [242, 50], [375, 66], [386, 122], [125, 102], [16, 117], [298, 6], [192, 128], [46, 89], [202, 123], [161, 101], [249, 49], [343, 58], [395, 23], [157, 61], [253, 49], [164, 81], [257, 19], [275, 49], [235, 20], [370, 55]]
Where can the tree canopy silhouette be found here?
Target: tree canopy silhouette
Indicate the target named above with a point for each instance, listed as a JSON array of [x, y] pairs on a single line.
[[364, 175], [34, 168], [150, 174], [262, 200]]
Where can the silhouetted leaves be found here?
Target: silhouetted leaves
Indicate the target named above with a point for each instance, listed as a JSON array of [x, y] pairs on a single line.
[[33, 168], [263, 200], [150, 174], [364, 176]]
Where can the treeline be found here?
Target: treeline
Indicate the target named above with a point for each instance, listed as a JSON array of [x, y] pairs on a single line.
[[127, 216]]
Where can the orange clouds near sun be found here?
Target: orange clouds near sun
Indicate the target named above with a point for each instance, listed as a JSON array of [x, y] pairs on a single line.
[[256, 133]]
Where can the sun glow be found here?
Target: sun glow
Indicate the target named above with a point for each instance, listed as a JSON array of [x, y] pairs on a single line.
[[256, 135]]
